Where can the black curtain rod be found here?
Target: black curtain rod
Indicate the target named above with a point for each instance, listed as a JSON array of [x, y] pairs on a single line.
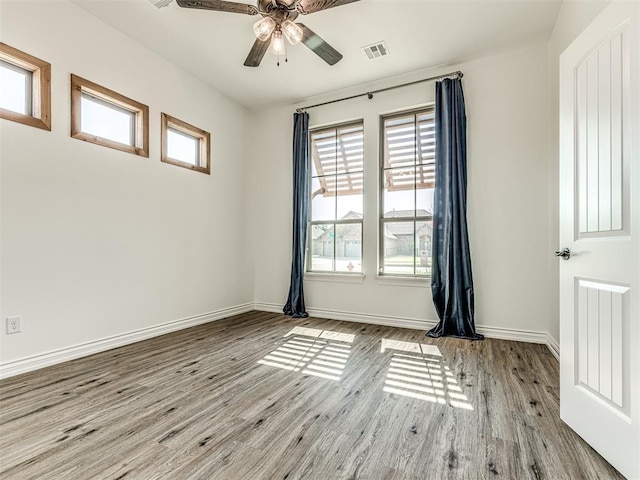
[[369, 95]]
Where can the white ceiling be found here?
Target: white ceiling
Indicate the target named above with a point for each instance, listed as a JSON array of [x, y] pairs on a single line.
[[419, 33]]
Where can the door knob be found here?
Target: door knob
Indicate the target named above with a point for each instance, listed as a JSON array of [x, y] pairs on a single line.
[[565, 253]]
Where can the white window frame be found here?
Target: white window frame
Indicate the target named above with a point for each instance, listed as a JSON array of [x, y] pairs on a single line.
[[335, 222], [405, 219]]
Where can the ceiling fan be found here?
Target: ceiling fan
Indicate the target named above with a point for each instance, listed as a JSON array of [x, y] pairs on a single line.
[[276, 24]]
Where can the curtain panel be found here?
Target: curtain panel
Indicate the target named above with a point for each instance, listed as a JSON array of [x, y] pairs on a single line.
[[451, 276], [295, 302]]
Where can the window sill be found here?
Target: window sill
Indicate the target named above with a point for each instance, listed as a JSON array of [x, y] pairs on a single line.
[[421, 282], [334, 277]]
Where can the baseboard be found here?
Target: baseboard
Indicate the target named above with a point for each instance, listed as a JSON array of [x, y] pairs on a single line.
[[413, 323], [553, 346], [36, 362], [388, 321], [514, 334]]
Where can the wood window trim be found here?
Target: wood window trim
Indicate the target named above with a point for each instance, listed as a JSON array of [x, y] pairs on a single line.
[[204, 137], [79, 86], [41, 88]]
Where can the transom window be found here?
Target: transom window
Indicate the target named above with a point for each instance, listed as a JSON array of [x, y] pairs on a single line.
[[407, 164], [336, 204], [17, 85], [185, 145], [25, 88], [107, 118]]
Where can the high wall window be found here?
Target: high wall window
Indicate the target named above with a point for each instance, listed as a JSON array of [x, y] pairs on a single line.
[[407, 172], [336, 205], [107, 118], [185, 145], [25, 88]]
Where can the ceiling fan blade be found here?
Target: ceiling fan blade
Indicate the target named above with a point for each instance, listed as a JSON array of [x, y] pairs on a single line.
[[309, 6], [219, 5], [257, 52], [319, 46]]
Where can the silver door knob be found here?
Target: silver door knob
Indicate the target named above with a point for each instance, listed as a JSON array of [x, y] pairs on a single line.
[[565, 253]]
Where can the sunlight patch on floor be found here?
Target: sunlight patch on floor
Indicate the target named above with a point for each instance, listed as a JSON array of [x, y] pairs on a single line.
[[311, 351], [418, 370]]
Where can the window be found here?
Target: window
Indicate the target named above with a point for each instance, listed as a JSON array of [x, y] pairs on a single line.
[[407, 181], [185, 145], [25, 88], [104, 117], [336, 206]]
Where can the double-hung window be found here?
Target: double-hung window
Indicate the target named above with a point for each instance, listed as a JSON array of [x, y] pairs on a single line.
[[336, 203], [407, 173]]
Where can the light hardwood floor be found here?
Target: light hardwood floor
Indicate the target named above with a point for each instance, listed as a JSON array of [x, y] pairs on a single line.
[[264, 396]]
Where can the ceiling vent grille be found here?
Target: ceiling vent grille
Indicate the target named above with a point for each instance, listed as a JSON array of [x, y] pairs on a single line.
[[376, 50]]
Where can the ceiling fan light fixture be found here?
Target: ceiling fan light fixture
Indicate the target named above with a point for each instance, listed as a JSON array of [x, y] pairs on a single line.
[[292, 32], [263, 28], [277, 44], [277, 22]]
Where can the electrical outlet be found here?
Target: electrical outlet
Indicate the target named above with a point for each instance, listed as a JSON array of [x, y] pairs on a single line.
[[14, 325]]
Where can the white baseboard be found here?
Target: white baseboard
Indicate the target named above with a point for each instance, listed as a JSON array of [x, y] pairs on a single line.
[[517, 335], [36, 362], [413, 323], [553, 346], [355, 317]]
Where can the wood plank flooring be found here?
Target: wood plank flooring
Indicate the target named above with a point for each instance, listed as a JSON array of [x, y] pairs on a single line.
[[264, 396]]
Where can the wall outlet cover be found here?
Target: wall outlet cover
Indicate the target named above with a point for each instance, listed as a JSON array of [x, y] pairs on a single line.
[[14, 325]]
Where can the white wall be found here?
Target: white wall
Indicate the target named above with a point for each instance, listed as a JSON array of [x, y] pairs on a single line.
[[97, 242], [508, 111], [572, 19]]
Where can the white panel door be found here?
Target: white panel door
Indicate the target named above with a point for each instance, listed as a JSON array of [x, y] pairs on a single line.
[[600, 225]]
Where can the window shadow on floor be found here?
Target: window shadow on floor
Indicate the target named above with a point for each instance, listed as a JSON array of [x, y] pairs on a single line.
[[311, 351], [419, 371]]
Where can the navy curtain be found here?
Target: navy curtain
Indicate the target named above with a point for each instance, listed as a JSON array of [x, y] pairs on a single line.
[[451, 278], [295, 303]]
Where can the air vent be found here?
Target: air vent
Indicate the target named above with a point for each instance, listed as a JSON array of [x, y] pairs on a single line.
[[376, 50], [160, 3]]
